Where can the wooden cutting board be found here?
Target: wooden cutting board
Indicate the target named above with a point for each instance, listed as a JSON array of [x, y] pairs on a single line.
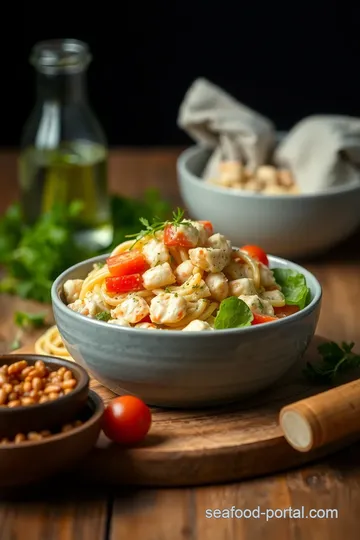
[[207, 446]]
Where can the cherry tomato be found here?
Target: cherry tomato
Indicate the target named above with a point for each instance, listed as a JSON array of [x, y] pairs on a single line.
[[173, 236], [260, 319], [129, 262], [126, 420], [208, 227], [285, 311], [123, 284], [256, 253]]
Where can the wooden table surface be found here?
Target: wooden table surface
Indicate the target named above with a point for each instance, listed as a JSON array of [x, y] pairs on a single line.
[[68, 512]]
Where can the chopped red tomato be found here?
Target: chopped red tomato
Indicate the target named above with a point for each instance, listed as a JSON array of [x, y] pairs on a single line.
[[208, 227], [175, 236], [256, 253], [123, 284], [260, 319], [146, 319], [126, 420], [285, 311], [127, 263]]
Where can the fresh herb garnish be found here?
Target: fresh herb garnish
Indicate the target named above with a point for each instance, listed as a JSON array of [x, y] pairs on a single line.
[[336, 360], [157, 225], [27, 321], [233, 313], [103, 316], [33, 256], [293, 286]]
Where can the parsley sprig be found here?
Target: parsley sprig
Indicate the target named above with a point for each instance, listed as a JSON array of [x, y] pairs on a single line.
[[336, 359], [157, 225]]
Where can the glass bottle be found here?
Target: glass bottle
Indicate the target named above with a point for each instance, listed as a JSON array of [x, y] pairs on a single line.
[[63, 148]]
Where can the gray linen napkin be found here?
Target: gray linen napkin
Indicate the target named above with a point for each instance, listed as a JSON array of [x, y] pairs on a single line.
[[235, 132], [320, 151]]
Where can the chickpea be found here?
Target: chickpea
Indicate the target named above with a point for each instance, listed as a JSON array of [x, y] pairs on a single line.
[[52, 388], [27, 401], [25, 372], [39, 364], [3, 397], [14, 403], [68, 375], [37, 383], [18, 388], [70, 383], [27, 386], [20, 437], [17, 367], [7, 387]]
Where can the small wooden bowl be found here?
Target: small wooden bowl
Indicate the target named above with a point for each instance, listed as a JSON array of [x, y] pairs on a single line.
[[48, 415], [30, 462]]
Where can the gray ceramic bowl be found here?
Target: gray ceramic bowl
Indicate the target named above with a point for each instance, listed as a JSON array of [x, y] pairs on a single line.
[[290, 226], [185, 369]]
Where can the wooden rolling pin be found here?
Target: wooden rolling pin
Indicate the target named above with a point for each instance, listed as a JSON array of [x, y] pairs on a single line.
[[322, 419]]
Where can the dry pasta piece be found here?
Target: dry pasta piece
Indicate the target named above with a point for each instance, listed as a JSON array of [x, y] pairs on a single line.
[[50, 343], [209, 311], [96, 279]]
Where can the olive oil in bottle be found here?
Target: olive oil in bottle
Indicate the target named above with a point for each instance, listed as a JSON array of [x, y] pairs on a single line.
[[64, 152]]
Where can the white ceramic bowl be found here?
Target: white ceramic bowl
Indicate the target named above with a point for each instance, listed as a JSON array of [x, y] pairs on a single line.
[[186, 369], [289, 225]]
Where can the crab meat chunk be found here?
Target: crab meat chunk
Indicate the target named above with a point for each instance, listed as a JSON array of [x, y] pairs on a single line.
[[209, 259], [72, 288], [257, 304], [218, 285], [203, 234], [78, 306], [155, 252], [184, 271], [235, 270], [219, 241], [146, 325], [158, 276], [189, 232], [133, 309], [90, 306], [119, 322], [242, 286], [197, 326], [275, 297], [167, 308]]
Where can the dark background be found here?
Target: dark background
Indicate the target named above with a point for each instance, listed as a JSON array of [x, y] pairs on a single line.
[[286, 60]]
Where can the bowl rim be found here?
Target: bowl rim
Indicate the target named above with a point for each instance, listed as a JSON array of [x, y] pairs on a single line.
[[84, 380], [93, 399], [182, 165], [59, 304]]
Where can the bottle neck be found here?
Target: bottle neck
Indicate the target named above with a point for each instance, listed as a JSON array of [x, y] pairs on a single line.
[[63, 87]]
